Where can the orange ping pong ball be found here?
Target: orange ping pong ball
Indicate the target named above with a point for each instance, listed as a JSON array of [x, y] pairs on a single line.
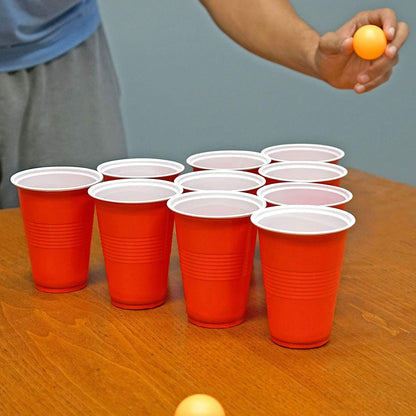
[[199, 405], [369, 42]]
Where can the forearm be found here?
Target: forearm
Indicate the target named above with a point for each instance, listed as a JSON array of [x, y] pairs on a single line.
[[270, 29]]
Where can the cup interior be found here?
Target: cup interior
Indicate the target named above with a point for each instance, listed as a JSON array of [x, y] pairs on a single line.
[[304, 152], [134, 190], [303, 220], [140, 168], [226, 180], [303, 171], [228, 159], [58, 178], [304, 194], [216, 204]]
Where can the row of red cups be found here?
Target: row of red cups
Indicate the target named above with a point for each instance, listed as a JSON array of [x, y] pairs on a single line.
[[301, 246]]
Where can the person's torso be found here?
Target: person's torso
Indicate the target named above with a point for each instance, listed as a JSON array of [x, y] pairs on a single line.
[[36, 31]]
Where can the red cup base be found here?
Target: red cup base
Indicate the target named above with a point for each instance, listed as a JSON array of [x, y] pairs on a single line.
[[137, 306], [218, 326], [300, 346], [60, 289]]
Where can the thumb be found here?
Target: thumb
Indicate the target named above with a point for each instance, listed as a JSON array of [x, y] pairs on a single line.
[[333, 44]]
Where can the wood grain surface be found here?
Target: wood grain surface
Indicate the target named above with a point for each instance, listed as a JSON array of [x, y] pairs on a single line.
[[76, 354]]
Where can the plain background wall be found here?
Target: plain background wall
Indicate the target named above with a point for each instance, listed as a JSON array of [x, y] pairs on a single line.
[[187, 88]]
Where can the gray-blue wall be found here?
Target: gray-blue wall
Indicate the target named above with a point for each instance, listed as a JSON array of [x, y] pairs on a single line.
[[187, 88]]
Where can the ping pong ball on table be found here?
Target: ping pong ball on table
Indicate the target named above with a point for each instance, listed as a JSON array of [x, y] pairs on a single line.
[[369, 42], [199, 405]]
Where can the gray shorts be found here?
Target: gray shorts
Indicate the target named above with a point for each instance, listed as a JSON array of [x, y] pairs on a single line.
[[63, 112]]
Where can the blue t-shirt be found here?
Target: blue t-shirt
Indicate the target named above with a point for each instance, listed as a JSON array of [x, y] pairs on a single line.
[[35, 31]]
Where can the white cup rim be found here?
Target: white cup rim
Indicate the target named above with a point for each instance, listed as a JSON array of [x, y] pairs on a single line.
[[207, 195], [264, 191], [314, 147], [194, 159], [94, 190], [303, 211], [176, 166], [337, 171], [17, 178], [255, 179]]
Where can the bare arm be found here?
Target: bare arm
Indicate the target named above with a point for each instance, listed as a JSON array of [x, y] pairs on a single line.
[[273, 30], [270, 29]]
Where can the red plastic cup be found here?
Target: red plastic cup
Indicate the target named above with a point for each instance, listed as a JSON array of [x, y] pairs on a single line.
[[304, 152], [58, 216], [298, 193], [301, 249], [140, 168], [216, 242], [228, 159], [310, 172], [220, 180], [136, 236]]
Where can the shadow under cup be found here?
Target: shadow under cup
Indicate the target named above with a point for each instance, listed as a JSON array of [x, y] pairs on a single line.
[[302, 249], [216, 242], [58, 217], [136, 230]]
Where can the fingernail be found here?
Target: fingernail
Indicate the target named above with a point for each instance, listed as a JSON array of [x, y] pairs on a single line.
[[392, 50], [363, 79], [391, 32], [359, 88]]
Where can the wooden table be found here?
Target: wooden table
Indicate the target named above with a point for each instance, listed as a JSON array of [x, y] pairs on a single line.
[[76, 354]]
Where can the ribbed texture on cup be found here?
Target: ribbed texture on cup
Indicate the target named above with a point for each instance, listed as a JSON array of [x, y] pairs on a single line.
[[212, 266], [134, 250], [300, 285], [58, 235]]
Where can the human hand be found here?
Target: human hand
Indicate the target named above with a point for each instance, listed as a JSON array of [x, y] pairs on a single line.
[[340, 67]]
